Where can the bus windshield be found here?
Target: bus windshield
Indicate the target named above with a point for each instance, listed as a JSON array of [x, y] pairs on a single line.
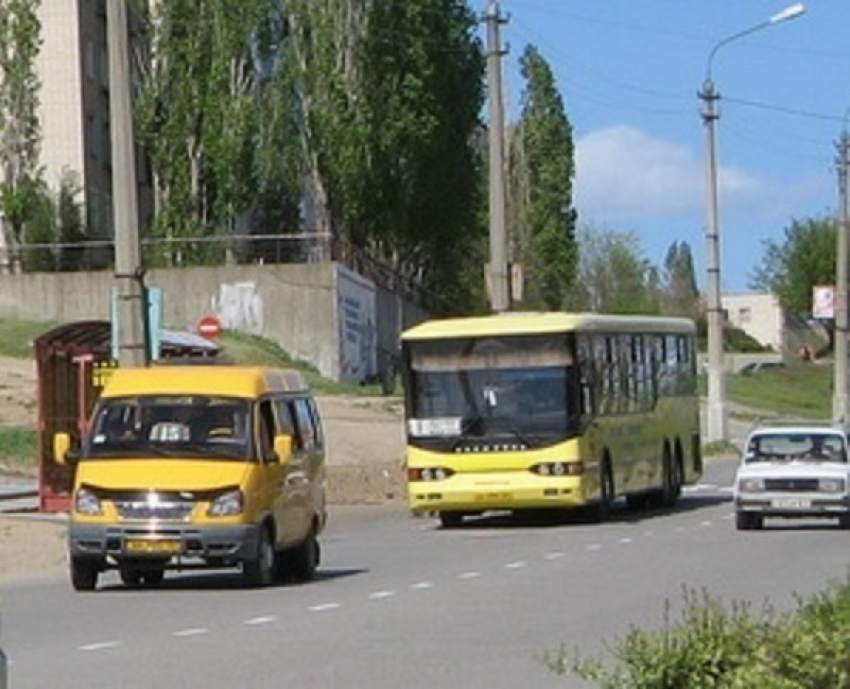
[[517, 389]]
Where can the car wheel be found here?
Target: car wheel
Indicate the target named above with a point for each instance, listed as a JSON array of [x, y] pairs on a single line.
[[747, 521], [259, 570], [84, 573], [305, 559]]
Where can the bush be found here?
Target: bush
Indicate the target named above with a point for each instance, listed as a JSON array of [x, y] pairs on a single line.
[[736, 646]]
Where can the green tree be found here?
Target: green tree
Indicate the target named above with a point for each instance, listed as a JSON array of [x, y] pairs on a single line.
[[200, 111], [542, 174], [20, 130], [681, 295], [791, 268], [613, 274]]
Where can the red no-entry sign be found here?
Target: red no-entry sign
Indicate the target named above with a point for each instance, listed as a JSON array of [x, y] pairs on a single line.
[[209, 327]]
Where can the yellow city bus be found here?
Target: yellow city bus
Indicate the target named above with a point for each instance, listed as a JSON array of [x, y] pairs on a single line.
[[521, 411]]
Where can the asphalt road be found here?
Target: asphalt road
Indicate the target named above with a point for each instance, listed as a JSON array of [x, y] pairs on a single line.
[[400, 602]]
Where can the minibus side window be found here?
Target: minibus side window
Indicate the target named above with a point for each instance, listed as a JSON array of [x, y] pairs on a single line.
[[266, 430], [286, 419], [304, 424]]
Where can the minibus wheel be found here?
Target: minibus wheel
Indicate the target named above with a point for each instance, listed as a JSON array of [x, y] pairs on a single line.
[[305, 558], [84, 573], [258, 571]]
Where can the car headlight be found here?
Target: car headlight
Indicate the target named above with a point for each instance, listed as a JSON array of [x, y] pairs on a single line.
[[227, 505], [831, 485], [750, 485], [86, 502]]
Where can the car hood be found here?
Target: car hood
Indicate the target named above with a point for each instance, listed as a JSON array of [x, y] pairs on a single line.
[[793, 469]]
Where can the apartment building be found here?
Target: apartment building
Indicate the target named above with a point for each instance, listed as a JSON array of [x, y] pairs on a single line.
[[73, 67]]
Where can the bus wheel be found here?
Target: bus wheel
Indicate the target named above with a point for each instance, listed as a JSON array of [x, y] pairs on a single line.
[[672, 481], [606, 492], [450, 520], [84, 573]]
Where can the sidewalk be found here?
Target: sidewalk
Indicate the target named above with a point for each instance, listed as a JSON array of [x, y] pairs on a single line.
[[18, 494]]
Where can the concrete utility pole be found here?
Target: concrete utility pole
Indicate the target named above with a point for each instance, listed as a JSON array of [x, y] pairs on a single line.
[[716, 412], [498, 268], [131, 308], [839, 387]]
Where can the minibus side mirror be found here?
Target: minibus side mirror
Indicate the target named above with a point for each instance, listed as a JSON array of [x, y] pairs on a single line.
[[61, 446], [283, 448]]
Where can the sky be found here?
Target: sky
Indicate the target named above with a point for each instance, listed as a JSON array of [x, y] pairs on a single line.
[[629, 72]]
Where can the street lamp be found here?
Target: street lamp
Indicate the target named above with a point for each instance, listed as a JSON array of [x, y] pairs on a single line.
[[716, 412]]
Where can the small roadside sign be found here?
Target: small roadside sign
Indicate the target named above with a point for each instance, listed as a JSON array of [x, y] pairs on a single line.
[[209, 327]]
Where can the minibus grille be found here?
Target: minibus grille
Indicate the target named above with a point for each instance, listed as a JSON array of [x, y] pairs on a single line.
[[153, 508], [490, 446]]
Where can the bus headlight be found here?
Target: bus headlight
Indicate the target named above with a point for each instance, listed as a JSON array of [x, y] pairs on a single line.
[[558, 469], [429, 474], [86, 502], [227, 505]]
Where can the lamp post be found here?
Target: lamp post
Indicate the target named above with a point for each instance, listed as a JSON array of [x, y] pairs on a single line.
[[716, 412]]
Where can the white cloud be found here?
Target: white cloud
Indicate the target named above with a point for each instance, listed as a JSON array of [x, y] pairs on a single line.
[[623, 174]]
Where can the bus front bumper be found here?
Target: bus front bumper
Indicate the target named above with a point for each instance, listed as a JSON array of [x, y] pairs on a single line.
[[496, 492]]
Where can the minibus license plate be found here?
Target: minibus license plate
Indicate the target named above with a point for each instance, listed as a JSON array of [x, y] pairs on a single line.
[[152, 546]]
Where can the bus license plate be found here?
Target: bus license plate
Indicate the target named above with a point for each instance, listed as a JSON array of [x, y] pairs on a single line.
[[493, 496], [150, 546], [791, 503]]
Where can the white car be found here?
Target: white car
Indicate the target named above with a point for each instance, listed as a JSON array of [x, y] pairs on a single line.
[[793, 471]]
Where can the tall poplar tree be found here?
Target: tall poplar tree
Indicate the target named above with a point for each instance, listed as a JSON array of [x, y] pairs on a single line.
[[21, 188], [542, 161]]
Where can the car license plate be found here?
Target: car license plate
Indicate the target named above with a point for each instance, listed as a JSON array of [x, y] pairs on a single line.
[[791, 503], [152, 546]]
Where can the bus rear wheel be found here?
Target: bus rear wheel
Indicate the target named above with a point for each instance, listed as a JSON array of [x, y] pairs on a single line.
[[450, 520]]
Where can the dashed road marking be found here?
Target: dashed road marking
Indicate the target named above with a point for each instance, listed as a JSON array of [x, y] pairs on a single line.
[[381, 595], [420, 585], [518, 564], [323, 607], [468, 575], [254, 621], [194, 631], [100, 646]]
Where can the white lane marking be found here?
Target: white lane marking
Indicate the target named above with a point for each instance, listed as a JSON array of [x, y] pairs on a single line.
[[707, 523], [554, 555], [648, 534], [420, 585], [260, 620], [195, 631], [100, 646], [323, 607], [468, 575], [625, 540], [380, 595], [594, 546], [519, 564], [679, 529]]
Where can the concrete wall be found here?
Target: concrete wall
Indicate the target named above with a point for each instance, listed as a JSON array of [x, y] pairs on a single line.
[[301, 307]]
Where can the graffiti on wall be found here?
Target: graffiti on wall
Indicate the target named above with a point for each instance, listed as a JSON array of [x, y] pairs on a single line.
[[357, 337], [239, 307]]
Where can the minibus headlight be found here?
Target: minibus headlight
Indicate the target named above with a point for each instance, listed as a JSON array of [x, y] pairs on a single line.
[[86, 502], [227, 504]]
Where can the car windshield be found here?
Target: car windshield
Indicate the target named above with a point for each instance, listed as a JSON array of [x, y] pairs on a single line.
[[796, 446], [168, 425]]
